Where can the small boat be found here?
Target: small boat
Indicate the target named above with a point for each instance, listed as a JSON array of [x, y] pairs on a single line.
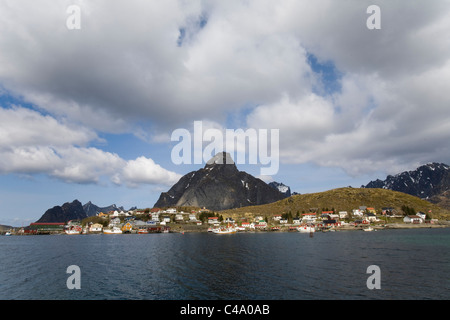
[[143, 231], [8, 233], [368, 229], [73, 230], [228, 230], [113, 230], [306, 229]]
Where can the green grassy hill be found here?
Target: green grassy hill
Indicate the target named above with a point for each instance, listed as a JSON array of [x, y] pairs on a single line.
[[341, 199]]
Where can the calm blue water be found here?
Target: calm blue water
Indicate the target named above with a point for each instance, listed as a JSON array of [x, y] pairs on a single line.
[[415, 264]]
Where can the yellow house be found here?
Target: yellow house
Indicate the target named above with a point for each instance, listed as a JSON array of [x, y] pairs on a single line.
[[127, 227], [101, 214]]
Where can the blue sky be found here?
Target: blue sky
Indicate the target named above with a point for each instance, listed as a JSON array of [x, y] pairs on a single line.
[[88, 113]]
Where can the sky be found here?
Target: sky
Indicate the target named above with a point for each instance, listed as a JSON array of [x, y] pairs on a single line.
[[92, 91]]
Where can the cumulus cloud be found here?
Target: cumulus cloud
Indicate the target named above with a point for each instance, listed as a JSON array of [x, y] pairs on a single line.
[[169, 63], [145, 171], [32, 143]]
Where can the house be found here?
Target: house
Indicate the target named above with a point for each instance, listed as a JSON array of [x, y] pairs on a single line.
[[259, 218], [283, 221], [166, 219], [343, 214], [277, 217], [371, 210], [330, 222], [309, 217], [412, 219], [179, 217], [358, 212], [95, 227], [212, 220], [127, 227], [171, 210], [421, 215], [248, 225], [261, 226], [229, 220], [192, 217], [296, 220], [371, 216]]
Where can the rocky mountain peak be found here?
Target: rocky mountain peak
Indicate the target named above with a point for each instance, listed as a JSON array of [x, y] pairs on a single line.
[[219, 186], [424, 182]]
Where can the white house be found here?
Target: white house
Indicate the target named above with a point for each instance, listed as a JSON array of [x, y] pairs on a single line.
[[171, 210], [166, 219], [334, 216], [192, 217], [358, 212], [309, 218], [343, 214], [248, 225], [212, 220], [95, 227], [296, 221], [421, 215], [412, 219], [179, 217], [283, 221], [277, 217]]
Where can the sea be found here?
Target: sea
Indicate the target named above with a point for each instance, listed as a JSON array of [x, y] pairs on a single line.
[[405, 264]]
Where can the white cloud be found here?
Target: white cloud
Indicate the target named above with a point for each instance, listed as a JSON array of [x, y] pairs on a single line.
[[31, 143], [145, 171], [169, 63]]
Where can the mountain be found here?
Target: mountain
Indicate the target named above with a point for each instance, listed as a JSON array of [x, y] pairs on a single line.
[[92, 210], [285, 190], [427, 181], [219, 186], [341, 199], [68, 211]]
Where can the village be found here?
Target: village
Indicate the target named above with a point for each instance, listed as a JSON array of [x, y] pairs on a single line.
[[175, 220]]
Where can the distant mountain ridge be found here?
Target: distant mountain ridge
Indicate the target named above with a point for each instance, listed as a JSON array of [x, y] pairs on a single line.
[[68, 211], [74, 211], [219, 186], [92, 210], [426, 181], [430, 182], [284, 189]]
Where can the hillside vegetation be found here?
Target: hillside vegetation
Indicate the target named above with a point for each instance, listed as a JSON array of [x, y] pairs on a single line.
[[342, 199]]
